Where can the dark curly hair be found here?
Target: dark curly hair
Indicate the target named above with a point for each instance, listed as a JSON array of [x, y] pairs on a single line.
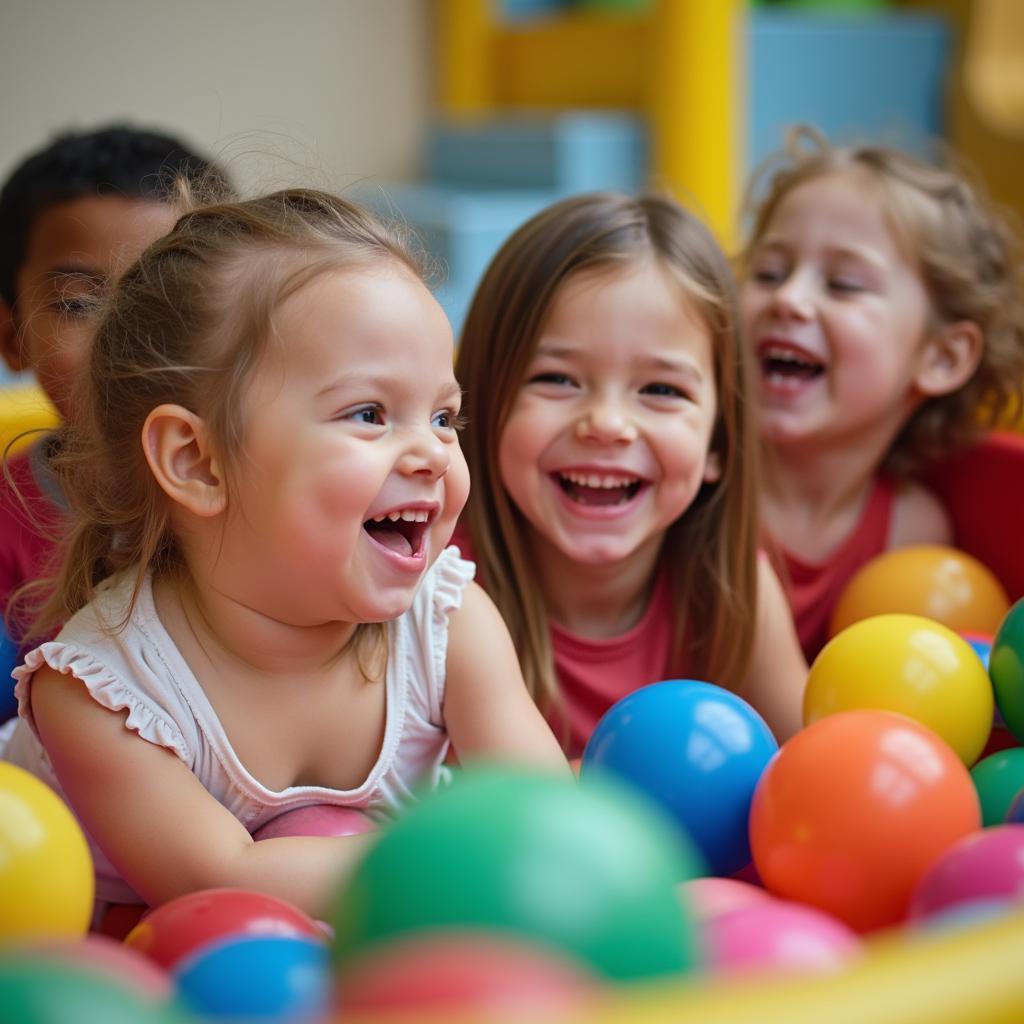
[[115, 160]]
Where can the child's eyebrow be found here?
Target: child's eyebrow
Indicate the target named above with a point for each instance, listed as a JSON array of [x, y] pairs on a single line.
[[372, 382], [75, 270]]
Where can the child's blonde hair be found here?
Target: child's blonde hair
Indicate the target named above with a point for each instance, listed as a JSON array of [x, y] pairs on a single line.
[[968, 258], [187, 324], [710, 551]]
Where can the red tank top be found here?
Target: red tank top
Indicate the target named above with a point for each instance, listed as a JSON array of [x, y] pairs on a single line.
[[594, 674], [814, 588]]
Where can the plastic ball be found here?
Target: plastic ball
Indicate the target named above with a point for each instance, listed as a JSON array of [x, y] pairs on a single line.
[[8, 662], [587, 869], [853, 811], [779, 936], [711, 897], [931, 580], [256, 978], [1015, 812], [695, 748], [986, 866], [316, 820], [103, 956], [1006, 667], [908, 664], [981, 643], [46, 871], [34, 991], [998, 778], [471, 973], [183, 925]]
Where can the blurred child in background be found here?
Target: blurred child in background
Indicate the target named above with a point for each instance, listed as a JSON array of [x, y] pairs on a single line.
[[885, 318], [71, 217]]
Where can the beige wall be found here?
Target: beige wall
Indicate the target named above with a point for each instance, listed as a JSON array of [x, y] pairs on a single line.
[[284, 91]]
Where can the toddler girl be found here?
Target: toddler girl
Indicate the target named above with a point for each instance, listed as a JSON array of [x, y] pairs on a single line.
[[260, 609]]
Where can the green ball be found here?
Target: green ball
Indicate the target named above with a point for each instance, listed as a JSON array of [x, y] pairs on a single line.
[[34, 991], [588, 869], [998, 778], [1006, 668]]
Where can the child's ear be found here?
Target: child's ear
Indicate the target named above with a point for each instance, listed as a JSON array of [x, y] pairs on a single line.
[[951, 354], [713, 468], [178, 450], [10, 344]]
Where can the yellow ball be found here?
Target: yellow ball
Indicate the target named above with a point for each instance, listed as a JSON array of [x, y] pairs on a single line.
[[46, 872], [910, 664], [932, 580]]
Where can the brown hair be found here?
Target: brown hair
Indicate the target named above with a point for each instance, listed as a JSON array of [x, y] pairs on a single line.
[[966, 253], [710, 551], [187, 324]]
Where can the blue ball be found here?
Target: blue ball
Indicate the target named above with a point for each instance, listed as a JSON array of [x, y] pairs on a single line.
[[696, 749], [257, 978], [8, 661], [1015, 812]]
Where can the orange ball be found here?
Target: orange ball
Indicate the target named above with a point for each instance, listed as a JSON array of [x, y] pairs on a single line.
[[854, 809], [932, 580]]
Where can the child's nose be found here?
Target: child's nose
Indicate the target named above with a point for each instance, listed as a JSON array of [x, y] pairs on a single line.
[[425, 455], [794, 297], [606, 421]]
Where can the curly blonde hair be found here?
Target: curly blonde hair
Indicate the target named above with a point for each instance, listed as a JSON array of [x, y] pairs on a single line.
[[967, 253]]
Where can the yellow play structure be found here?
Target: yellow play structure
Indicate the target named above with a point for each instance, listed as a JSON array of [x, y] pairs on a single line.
[[680, 64]]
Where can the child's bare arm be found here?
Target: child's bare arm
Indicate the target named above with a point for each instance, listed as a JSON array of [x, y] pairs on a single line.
[[488, 711], [156, 822], [918, 518], [778, 671]]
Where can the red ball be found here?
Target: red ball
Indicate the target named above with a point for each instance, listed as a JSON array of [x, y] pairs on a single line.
[[854, 809], [183, 925], [477, 973]]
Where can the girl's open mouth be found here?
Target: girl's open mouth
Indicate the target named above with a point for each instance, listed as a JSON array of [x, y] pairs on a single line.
[[783, 365], [597, 489], [401, 532]]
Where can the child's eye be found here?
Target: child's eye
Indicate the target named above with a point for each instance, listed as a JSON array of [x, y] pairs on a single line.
[[448, 420], [663, 391], [768, 275], [551, 378], [371, 414], [845, 284], [71, 305]]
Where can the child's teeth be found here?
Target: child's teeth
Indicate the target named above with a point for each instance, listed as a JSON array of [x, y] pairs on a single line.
[[594, 480], [408, 515]]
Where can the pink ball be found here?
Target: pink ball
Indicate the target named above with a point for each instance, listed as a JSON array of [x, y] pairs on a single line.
[[316, 820], [777, 935], [470, 973], [711, 897], [984, 866], [103, 956]]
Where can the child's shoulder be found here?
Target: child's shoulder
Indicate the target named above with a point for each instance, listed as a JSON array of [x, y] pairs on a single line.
[[918, 516], [442, 590]]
